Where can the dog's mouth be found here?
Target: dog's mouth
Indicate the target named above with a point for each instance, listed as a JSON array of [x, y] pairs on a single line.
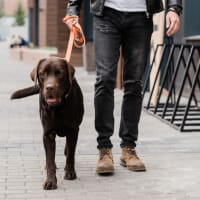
[[52, 101]]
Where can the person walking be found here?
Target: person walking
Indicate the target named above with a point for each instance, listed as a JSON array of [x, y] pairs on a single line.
[[125, 24]]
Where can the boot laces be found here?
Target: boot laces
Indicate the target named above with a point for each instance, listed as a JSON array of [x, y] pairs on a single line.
[[132, 152], [104, 152]]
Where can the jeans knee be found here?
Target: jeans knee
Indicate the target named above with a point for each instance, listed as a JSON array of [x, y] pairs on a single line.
[[133, 88], [104, 85]]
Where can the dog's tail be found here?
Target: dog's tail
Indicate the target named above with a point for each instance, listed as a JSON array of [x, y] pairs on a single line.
[[25, 92]]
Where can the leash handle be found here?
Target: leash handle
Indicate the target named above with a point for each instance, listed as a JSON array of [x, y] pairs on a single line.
[[76, 36]]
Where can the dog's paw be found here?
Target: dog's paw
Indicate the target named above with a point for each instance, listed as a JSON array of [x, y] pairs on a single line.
[[50, 184], [70, 175]]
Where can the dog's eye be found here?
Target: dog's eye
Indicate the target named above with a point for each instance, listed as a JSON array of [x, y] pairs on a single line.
[[59, 73]]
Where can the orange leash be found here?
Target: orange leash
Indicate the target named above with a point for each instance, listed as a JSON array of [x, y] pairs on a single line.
[[76, 37]]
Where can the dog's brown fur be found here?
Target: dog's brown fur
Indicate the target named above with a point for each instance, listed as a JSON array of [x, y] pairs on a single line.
[[61, 112]]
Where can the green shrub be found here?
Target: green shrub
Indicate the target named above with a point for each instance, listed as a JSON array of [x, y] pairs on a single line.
[[20, 15], [1, 13]]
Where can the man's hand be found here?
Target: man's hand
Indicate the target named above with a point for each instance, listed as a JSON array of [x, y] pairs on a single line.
[[70, 21], [172, 23], [74, 26]]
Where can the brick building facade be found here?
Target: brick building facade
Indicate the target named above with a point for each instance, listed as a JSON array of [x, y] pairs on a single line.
[[47, 29]]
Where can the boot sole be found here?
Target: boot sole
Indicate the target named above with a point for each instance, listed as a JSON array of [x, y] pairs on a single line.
[[105, 171], [136, 169]]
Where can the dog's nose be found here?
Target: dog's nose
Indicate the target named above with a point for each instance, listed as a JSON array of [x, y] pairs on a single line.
[[49, 87]]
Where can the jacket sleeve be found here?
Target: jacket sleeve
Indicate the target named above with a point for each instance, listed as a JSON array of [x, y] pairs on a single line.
[[74, 7], [177, 4]]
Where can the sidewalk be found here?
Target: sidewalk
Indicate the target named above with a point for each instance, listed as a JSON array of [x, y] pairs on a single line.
[[172, 158]]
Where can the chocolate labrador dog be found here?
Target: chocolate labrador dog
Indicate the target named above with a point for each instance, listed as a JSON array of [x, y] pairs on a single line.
[[61, 112]]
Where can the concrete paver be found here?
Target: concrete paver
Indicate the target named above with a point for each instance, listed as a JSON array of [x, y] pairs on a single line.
[[172, 158]]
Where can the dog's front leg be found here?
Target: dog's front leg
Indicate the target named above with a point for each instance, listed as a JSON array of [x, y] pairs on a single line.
[[50, 148], [70, 149]]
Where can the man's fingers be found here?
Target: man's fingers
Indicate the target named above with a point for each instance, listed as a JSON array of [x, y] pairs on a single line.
[[172, 23], [173, 28], [167, 22], [70, 21]]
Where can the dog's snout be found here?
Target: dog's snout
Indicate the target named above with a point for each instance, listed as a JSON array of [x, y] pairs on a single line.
[[49, 87]]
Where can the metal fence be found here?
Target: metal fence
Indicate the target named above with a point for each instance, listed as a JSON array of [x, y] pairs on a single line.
[[174, 93]]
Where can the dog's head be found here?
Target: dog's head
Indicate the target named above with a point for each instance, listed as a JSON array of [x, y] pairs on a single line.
[[54, 77]]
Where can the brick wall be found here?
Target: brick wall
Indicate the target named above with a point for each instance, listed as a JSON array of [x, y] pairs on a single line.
[[52, 31], [43, 32], [52, 22]]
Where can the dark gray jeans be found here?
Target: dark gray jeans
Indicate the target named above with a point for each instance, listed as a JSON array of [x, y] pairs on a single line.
[[132, 32]]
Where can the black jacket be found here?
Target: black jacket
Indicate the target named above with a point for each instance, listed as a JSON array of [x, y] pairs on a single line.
[[97, 6]]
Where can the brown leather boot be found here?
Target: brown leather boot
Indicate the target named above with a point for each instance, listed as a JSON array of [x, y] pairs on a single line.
[[105, 163], [130, 159]]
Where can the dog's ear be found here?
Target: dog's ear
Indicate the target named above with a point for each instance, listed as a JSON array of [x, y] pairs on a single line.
[[71, 72], [34, 72]]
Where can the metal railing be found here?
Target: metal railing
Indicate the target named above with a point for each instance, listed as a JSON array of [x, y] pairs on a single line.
[[176, 86]]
